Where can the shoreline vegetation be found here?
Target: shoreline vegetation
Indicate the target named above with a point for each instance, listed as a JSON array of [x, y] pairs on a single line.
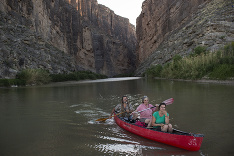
[[29, 77], [199, 65]]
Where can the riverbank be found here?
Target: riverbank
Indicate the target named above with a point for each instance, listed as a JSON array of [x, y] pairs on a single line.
[[29, 77], [80, 82], [229, 82]]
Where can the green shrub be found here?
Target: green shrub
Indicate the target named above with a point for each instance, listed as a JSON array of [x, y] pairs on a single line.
[[200, 64], [76, 76], [11, 82], [125, 75], [34, 76], [229, 50], [199, 50], [218, 54], [226, 60], [177, 58], [154, 71], [57, 77], [100, 76], [223, 71], [92, 76]]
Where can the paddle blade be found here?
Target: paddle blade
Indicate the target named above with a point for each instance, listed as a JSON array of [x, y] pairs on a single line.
[[168, 101], [102, 119]]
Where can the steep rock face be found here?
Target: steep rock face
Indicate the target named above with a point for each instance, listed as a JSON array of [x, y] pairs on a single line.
[[21, 48], [92, 34], [158, 18], [212, 26]]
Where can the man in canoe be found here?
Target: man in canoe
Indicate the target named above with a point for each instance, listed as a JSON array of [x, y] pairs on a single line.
[[160, 119], [124, 109]]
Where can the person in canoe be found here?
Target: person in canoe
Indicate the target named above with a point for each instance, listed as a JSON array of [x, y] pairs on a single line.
[[124, 108], [145, 116], [160, 119]]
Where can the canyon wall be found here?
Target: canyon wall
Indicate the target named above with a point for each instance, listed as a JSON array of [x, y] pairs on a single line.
[[92, 36], [166, 28], [158, 18]]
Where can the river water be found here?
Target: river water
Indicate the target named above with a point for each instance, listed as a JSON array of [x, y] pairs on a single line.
[[59, 119]]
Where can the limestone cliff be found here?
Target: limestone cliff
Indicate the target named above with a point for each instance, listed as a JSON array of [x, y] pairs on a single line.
[[91, 34], [166, 28]]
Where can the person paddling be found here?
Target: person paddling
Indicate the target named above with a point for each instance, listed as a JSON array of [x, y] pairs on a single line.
[[145, 116], [124, 108], [160, 119]]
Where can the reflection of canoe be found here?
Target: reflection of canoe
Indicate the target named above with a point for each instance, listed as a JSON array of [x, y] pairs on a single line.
[[178, 138]]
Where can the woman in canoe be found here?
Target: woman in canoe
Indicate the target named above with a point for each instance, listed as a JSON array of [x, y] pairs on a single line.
[[160, 119], [145, 116], [124, 108]]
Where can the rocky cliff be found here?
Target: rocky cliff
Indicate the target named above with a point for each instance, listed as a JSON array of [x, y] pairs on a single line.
[[90, 36], [167, 28], [158, 18]]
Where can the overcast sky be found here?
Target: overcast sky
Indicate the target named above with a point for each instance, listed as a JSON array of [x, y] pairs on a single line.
[[130, 9]]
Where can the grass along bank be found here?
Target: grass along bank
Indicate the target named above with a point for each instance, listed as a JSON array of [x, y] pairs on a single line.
[[200, 64], [76, 76], [41, 76]]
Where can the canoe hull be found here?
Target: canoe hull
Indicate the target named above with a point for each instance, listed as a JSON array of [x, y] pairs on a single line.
[[191, 142]]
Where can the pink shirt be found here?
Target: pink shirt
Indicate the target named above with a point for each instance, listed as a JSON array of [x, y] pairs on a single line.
[[147, 113]]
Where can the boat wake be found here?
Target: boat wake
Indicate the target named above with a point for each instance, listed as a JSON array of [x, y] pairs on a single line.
[[125, 149]]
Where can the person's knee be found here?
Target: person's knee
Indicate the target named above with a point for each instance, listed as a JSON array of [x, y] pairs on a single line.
[[164, 128], [134, 116], [170, 126], [148, 121]]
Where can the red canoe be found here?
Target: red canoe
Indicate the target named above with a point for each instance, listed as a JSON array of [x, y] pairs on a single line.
[[188, 141]]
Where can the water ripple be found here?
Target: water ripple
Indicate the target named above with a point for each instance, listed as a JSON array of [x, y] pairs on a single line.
[[128, 149], [117, 139]]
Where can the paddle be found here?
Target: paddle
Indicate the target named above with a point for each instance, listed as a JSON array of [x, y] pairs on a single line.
[[104, 119], [167, 102]]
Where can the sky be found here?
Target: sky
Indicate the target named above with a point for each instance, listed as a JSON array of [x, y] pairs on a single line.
[[130, 9]]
